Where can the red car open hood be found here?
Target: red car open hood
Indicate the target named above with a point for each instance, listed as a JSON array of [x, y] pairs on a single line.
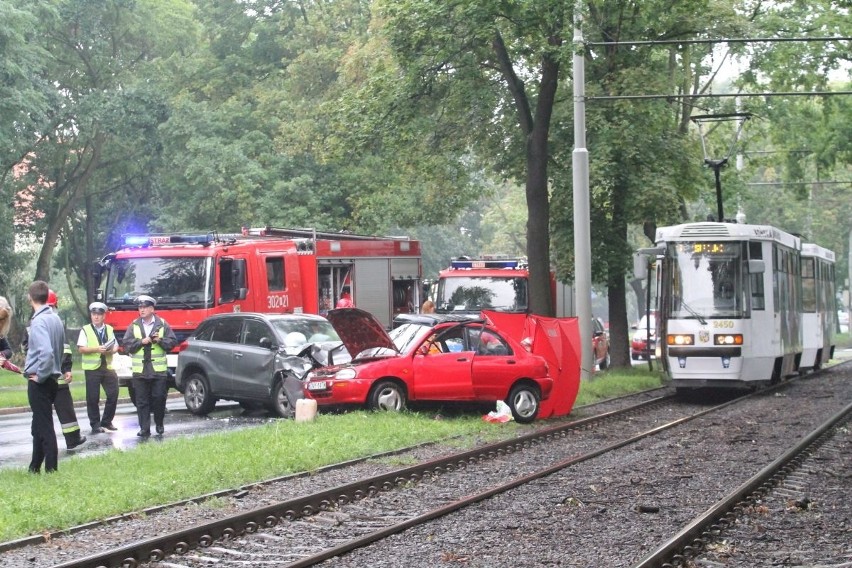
[[359, 330]]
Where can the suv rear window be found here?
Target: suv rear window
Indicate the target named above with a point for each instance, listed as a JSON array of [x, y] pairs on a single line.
[[224, 330]]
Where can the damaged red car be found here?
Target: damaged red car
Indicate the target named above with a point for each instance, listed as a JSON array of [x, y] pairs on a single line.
[[436, 358]]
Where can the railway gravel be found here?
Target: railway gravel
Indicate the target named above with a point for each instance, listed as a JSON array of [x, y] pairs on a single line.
[[607, 512], [617, 508]]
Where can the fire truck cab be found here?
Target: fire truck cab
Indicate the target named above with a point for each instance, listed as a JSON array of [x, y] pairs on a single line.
[[193, 276], [493, 282]]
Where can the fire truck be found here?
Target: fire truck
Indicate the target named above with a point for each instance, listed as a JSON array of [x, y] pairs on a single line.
[[493, 282], [273, 270]]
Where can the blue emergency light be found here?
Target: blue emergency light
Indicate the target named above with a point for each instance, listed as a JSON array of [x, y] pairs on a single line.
[[162, 239], [485, 262]]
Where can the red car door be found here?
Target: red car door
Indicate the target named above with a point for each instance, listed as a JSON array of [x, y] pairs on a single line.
[[444, 371], [495, 367]]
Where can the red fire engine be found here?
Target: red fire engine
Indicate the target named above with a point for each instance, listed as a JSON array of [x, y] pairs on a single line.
[[193, 276], [493, 282]]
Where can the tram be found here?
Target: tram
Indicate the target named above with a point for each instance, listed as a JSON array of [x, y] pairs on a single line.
[[730, 299], [819, 311]]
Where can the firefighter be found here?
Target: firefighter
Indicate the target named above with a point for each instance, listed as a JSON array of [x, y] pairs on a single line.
[[345, 300], [64, 404], [148, 339], [97, 344]]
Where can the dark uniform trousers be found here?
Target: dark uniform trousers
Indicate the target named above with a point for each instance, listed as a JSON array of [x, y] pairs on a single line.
[[64, 405], [94, 380], [150, 396], [42, 397]]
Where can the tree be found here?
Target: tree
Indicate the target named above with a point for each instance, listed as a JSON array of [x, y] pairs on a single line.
[[99, 137], [25, 101], [491, 70]]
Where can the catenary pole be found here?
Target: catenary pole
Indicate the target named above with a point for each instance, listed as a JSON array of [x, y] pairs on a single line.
[[580, 167]]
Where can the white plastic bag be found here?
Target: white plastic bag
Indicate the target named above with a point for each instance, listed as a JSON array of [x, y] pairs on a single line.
[[502, 414]]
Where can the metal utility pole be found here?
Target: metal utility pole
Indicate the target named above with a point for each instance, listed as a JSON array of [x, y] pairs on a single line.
[[582, 232]]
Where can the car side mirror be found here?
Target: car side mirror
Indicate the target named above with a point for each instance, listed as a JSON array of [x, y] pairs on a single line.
[[265, 342]]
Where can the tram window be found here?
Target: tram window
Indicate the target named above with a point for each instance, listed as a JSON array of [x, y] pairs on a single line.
[[755, 251], [809, 298], [758, 301]]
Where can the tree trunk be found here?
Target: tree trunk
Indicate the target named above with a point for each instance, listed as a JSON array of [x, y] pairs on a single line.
[[538, 196], [619, 326], [536, 129], [73, 189]]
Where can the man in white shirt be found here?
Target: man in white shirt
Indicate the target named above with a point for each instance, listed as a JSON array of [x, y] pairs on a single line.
[[97, 344]]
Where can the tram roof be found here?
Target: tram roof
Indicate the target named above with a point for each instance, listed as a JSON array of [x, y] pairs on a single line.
[[708, 231], [812, 249]]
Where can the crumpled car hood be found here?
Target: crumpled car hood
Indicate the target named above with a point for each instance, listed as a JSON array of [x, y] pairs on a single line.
[[359, 330]]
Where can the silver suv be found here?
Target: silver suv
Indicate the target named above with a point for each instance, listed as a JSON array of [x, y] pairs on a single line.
[[254, 359]]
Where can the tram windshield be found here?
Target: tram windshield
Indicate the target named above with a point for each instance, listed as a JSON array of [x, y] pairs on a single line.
[[707, 280]]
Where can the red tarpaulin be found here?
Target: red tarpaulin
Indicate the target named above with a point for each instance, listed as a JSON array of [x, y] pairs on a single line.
[[558, 341]]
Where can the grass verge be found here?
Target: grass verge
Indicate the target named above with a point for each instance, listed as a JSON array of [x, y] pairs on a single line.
[[13, 389], [181, 468]]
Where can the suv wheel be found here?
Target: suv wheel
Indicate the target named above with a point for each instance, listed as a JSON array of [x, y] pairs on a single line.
[[197, 395], [280, 403]]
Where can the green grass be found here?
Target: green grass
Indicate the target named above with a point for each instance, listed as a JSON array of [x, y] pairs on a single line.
[[617, 382], [180, 468], [175, 469], [13, 389]]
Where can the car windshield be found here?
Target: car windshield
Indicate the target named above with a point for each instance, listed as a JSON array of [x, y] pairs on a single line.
[[313, 330], [473, 294], [176, 282], [642, 326], [408, 336]]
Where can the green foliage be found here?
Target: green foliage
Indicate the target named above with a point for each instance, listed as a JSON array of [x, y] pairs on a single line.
[[405, 116]]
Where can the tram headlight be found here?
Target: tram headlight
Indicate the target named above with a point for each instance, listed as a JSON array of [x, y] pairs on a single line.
[[728, 339], [680, 339]]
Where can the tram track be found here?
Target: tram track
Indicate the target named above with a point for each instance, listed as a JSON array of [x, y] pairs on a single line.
[[627, 425], [323, 526], [693, 539], [609, 510]]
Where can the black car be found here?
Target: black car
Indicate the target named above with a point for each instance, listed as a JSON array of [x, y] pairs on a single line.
[[253, 359]]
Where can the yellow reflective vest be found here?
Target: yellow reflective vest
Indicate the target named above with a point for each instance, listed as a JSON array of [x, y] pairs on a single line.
[[158, 354], [92, 361]]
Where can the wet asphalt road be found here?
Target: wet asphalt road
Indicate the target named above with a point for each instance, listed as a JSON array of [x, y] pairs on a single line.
[[16, 440]]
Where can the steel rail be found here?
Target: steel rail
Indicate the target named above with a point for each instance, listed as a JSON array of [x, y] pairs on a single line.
[[204, 534], [694, 536], [496, 490]]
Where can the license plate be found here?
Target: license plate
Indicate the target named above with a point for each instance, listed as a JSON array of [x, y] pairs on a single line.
[[317, 385]]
